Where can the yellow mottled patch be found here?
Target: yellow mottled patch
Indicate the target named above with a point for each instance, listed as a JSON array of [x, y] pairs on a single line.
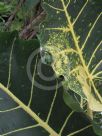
[[57, 46], [93, 103]]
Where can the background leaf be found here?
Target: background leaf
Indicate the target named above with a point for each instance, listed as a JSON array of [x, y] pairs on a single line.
[[21, 87]]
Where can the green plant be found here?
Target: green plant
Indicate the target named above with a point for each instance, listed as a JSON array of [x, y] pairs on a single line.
[[35, 106], [74, 55], [17, 15], [5, 11], [21, 100], [4, 8]]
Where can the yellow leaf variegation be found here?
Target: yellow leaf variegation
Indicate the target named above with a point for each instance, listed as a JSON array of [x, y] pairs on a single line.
[[81, 75], [63, 45]]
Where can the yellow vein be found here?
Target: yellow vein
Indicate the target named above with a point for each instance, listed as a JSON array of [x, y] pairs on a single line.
[[80, 12], [98, 73], [93, 54], [78, 48], [98, 78], [68, 51], [20, 129], [12, 109], [77, 99], [89, 33], [96, 91], [51, 108], [67, 119], [95, 68], [29, 111], [58, 9], [81, 102], [68, 4], [80, 130], [74, 70], [63, 29], [10, 61], [32, 86]]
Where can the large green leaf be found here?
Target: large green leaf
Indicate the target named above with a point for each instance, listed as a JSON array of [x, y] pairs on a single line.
[[46, 111], [72, 35]]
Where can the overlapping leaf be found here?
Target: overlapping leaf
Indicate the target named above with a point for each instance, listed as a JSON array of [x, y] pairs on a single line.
[[16, 116]]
